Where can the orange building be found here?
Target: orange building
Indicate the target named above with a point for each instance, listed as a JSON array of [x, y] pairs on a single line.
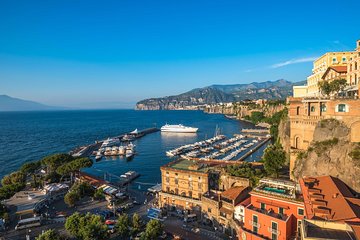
[[332, 210], [334, 72], [272, 212]]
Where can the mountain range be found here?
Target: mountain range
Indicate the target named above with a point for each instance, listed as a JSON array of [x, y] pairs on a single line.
[[8, 103], [213, 94]]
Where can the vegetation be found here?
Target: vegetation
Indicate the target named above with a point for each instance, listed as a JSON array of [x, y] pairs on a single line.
[[136, 224], [274, 159], [30, 167], [99, 194], [154, 228], [334, 87], [320, 147], [86, 227], [74, 165], [246, 170], [355, 154], [123, 226], [78, 191], [51, 235]]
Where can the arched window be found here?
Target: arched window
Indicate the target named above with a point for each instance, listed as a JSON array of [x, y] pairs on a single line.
[[341, 108], [297, 142], [312, 109], [297, 110], [323, 107], [355, 67]]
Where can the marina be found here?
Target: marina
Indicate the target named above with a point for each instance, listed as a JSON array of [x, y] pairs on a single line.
[[221, 148]]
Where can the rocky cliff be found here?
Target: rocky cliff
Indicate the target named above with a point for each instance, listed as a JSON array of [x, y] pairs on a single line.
[[331, 153], [284, 133], [216, 94]]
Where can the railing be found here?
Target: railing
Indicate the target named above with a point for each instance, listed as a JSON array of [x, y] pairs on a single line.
[[254, 224], [273, 231], [282, 217]]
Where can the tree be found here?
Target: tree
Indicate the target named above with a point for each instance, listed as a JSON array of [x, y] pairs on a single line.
[[86, 227], [30, 167], [50, 235], [13, 178], [153, 230], [99, 194], [136, 224], [257, 117], [52, 162], [71, 198], [123, 225], [274, 159], [324, 87], [334, 87]]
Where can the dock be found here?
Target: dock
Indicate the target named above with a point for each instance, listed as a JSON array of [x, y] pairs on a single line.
[[87, 150]]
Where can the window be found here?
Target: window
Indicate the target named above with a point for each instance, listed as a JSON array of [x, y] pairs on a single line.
[[209, 210], [255, 224], [281, 210], [262, 206], [334, 59], [200, 186], [167, 179], [312, 109], [274, 232], [190, 193], [344, 59], [341, 108], [301, 211], [323, 107], [176, 191], [199, 195], [297, 110], [167, 189], [176, 181]]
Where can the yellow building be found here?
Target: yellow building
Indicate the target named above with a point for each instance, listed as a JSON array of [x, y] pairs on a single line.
[[353, 72], [320, 66]]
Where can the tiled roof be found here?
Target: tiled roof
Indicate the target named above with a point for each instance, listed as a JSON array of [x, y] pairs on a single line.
[[233, 192], [329, 198], [339, 69]]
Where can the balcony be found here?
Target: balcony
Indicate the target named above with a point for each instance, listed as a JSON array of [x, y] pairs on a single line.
[[273, 231], [180, 197], [254, 224], [282, 217]]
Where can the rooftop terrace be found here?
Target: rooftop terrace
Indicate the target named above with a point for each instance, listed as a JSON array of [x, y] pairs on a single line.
[[189, 165], [278, 187]]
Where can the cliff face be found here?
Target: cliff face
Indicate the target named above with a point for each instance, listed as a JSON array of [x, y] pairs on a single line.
[[216, 94], [331, 153], [284, 134]]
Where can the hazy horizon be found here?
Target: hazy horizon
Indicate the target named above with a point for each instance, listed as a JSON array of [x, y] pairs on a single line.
[[84, 53]]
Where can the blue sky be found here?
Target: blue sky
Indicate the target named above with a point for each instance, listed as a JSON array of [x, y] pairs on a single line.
[[114, 53]]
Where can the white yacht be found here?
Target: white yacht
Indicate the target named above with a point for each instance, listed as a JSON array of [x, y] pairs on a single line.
[[178, 128], [110, 142]]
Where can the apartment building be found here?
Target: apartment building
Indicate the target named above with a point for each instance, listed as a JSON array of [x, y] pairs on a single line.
[[273, 211], [353, 72]]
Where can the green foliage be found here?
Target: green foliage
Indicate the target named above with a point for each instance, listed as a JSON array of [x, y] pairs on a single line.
[[78, 191], [355, 154], [30, 167], [246, 170], [51, 235], [257, 117], [56, 160], [327, 88], [74, 165], [136, 224], [13, 178], [9, 190], [274, 159], [123, 226], [322, 146], [86, 227], [99, 194], [154, 228], [71, 198]]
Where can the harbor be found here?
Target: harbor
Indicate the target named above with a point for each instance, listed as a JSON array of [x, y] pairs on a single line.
[[222, 149]]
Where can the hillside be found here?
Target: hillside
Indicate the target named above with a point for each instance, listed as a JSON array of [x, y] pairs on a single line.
[[278, 89], [8, 103]]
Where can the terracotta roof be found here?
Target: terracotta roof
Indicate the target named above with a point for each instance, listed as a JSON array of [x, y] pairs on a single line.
[[337, 203], [233, 192], [356, 229], [339, 69]]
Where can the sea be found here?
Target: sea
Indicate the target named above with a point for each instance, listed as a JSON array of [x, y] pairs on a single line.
[[30, 136]]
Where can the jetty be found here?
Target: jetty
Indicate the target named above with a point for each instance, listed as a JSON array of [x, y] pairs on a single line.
[[87, 150]]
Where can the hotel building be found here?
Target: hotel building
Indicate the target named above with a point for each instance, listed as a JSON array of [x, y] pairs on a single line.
[[273, 211]]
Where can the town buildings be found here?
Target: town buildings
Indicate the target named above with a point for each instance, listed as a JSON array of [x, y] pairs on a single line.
[[308, 106], [273, 211]]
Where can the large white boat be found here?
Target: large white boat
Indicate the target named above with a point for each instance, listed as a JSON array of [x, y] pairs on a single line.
[[178, 128]]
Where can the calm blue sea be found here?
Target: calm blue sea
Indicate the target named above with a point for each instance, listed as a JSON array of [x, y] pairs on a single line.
[[28, 136]]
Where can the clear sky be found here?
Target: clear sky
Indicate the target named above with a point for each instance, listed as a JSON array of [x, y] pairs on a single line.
[[113, 53]]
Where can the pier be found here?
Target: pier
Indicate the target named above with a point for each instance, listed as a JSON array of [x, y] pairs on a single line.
[[87, 150]]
